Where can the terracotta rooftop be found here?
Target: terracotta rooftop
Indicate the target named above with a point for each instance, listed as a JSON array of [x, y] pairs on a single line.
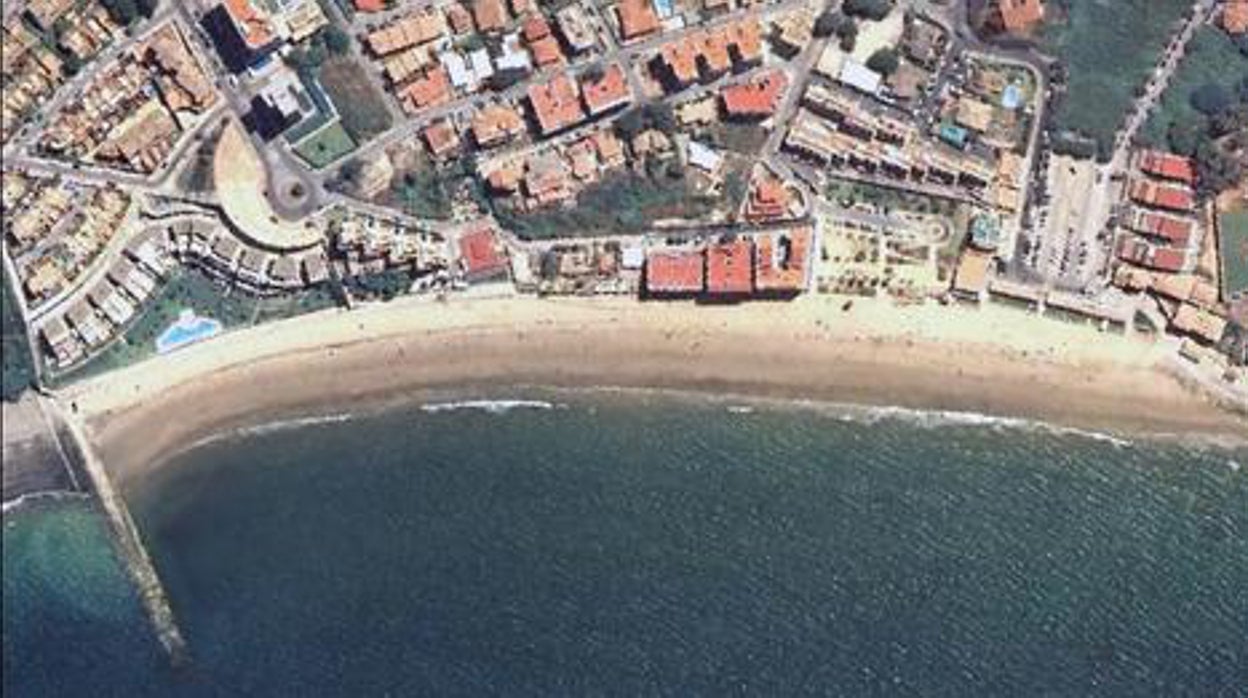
[[1162, 196], [496, 123], [729, 268], [370, 5], [637, 19], [536, 27], [756, 99], [736, 43], [674, 271], [607, 93], [431, 89], [1167, 166], [1235, 17], [780, 260], [1019, 15], [556, 104], [251, 21], [479, 255], [490, 15], [1176, 230], [441, 138], [546, 51]]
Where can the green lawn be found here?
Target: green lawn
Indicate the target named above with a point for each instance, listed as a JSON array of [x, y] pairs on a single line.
[[325, 146], [1234, 244], [1212, 58], [1109, 49], [621, 204], [360, 106], [189, 288], [15, 355]]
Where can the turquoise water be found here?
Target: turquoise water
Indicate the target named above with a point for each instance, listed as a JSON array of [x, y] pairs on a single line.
[[187, 330], [629, 546]]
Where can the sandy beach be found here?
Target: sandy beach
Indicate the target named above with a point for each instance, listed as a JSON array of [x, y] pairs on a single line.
[[992, 360]]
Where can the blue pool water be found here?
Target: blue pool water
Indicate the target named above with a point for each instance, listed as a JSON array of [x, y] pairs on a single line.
[[187, 330]]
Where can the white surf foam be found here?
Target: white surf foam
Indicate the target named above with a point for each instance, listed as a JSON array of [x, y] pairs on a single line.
[[491, 406]]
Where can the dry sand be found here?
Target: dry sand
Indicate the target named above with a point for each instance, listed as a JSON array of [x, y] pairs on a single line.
[[992, 360]]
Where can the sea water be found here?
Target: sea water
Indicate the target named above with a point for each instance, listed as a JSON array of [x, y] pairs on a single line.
[[651, 546]]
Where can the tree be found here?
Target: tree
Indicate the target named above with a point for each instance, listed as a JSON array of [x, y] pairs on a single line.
[[827, 23], [1182, 138], [847, 32], [884, 61], [1215, 170], [1210, 98], [660, 116], [336, 40], [630, 123], [868, 9]]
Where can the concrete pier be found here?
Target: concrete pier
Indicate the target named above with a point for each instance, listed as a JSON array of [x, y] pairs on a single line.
[[130, 543]]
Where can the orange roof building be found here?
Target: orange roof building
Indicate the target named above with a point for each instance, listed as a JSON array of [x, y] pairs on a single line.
[[1166, 166], [637, 19], [1235, 17], [430, 90], [608, 92], [546, 52], [479, 256], [496, 124], [1176, 230], [730, 268], [781, 260], [1016, 16], [768, 200], [1165, 196], [556, 104], [252, 22], [755, 100], [490, 15], [535, 28], [460, 19], [442, 139], [675, 272], [369, 5], [707, 55]]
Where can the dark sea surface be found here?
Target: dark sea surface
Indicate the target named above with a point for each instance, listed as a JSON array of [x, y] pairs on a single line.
[[630, 545]]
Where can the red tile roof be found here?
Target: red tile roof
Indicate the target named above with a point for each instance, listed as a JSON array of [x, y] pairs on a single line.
[[431, 89], [252, 22], [1167, 166], [1019, 15], [496, 123], [1176, 230], [674, 271], [637, 19], [607, 93], [536, 27], [739, 42], [490, 15], [441, 138], [556, 104], [370, 5], [729, 268], [546, 52], [479, 254], [1235, 17], [1162, 196], [758, 99], [780, 260]]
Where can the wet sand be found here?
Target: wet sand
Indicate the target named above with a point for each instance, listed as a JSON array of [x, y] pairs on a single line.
[[992, 360]]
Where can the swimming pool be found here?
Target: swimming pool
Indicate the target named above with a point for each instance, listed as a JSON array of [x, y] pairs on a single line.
[[188, 329]]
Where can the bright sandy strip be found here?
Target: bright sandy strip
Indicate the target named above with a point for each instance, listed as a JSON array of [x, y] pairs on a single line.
[[993, 360]]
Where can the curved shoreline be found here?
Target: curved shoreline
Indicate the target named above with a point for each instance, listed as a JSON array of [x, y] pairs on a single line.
[[922, 358]]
